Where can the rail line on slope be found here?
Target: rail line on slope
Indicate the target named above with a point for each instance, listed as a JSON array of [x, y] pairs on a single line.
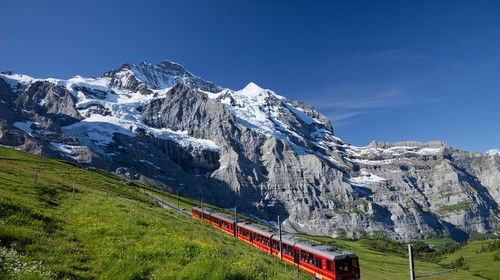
[[168, 205]]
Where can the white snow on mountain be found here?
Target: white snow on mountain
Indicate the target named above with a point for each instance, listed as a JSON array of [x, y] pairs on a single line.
[[251, 110], [365, 178], [256, 108], [15, 79], [69, 150], [97, 130], [493, 152], [110, 107], [250, 105]]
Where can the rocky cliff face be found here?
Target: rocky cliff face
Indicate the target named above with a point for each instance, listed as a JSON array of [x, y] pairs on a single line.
[[252, 148]]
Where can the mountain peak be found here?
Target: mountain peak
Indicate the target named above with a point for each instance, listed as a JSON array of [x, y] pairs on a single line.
[[252, 89], [165, 74]]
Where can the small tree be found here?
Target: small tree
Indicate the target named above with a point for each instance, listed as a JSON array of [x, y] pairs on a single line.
[[460, 263]]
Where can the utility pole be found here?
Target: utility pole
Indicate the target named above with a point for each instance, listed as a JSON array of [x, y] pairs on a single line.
[[202, 212], [412, 267], [235, 222], [178, 208], [280, 247]]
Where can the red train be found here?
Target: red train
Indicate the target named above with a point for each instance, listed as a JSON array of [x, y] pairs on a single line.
[[319, 260]]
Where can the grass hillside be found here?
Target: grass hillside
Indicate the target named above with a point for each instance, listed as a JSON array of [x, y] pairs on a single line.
[[46, 233], [479, 257]]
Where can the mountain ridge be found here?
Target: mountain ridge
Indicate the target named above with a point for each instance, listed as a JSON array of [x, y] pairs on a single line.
[[252, 148]]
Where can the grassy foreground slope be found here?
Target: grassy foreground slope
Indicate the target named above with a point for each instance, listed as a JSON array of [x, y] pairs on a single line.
[[46, 233], [479, 257]]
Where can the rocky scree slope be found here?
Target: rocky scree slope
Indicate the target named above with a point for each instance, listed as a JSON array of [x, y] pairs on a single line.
[[252, 148]]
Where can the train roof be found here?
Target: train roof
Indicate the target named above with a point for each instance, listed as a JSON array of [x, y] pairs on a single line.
[[223, 216], [263, 230], [319, 248]]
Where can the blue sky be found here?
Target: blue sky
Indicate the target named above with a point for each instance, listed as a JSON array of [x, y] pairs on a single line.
[[380, 70]]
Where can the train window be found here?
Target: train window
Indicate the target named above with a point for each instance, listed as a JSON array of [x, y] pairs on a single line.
[[329, 265], [303, 255], [310, 258], [319, 262], [284, 249], [343, 266]]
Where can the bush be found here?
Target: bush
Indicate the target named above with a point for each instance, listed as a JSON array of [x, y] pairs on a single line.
[[459, 263]]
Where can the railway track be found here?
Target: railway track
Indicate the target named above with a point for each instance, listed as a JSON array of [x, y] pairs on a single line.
[[167, 205]]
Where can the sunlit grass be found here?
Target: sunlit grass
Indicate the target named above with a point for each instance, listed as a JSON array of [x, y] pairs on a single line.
[[126, 236]]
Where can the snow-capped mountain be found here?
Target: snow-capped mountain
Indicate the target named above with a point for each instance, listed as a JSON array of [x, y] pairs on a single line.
[[252, 148], [493, 152]]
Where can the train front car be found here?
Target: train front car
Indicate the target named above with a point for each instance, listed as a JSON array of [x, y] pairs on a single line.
[[347, 267], [321, 261]]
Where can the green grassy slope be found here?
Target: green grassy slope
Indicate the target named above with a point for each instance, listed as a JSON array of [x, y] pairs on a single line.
[[478, 258], [126, 236]]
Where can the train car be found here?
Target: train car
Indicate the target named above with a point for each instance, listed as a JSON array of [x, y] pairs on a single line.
[[256, 235], [319, 260], [220, 220]]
